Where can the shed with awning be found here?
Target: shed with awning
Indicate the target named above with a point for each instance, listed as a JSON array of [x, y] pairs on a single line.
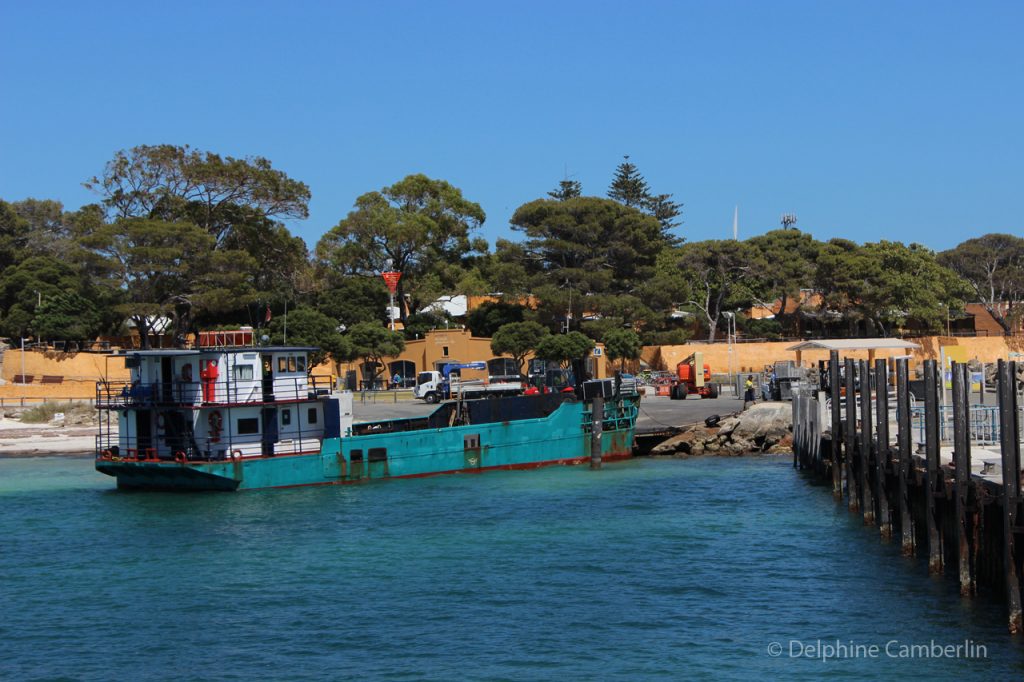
[[846, 345]]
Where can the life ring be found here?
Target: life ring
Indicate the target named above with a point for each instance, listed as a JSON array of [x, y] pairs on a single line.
[[106, 454], [236, 455], [216, 423], [179, 457]]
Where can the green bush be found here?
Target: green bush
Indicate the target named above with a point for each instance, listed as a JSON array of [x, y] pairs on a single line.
[[43, 413]]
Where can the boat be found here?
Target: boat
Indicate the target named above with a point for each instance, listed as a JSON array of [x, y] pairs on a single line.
[[251, 417]]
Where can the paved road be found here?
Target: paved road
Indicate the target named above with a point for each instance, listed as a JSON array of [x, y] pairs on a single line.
[[656, 412]]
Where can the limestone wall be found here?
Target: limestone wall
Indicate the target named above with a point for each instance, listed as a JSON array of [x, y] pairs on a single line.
[[79, 373], [752, 357]]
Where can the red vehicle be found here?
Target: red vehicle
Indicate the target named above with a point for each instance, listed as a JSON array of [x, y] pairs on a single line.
[[689, 379]]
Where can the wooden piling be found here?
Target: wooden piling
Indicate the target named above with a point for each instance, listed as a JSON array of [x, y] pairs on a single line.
[[850, 434], [1009, 441], [837, 425], [904, 441], [596, 429], [960, 516], [882, 447], [866, 479], [933, 481], [962, 472]]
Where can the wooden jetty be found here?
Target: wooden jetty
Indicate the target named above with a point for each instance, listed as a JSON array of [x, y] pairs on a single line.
[[956, 499]]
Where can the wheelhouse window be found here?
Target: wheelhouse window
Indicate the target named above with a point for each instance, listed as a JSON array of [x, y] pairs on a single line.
[[248, 426], [291, 363]]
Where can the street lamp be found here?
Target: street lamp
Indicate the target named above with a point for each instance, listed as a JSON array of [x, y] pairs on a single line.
[[730, 334]]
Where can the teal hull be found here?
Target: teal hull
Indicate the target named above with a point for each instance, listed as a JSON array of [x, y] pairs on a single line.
[[563, 437]]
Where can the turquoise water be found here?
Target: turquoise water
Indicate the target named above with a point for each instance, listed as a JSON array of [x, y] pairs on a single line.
[[650, 569]]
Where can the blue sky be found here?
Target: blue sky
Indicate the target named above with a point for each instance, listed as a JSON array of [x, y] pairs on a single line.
[[869, 120]]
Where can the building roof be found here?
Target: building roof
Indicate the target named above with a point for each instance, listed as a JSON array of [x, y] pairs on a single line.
[[854, 344]]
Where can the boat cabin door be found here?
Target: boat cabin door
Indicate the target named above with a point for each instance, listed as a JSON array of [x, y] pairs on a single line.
[[167, 380], [269, 431], [268, 378]]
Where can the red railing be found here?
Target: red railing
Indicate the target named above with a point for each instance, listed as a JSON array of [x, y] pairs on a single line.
[[185, 449]]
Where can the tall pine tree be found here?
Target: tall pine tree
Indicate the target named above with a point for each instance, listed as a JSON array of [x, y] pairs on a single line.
[[630, 188], [567, 189]]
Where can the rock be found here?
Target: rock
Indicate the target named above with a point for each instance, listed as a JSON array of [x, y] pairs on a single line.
[[736, 449], [676, 443], [727, 426], [764, 421]]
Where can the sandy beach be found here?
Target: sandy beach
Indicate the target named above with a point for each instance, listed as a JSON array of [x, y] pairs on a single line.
[[37, 440]]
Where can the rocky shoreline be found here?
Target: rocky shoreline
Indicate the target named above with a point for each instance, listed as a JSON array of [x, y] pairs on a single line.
[[762, 429]]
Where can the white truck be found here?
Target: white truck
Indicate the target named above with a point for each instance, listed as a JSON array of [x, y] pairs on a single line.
[[433, 386]]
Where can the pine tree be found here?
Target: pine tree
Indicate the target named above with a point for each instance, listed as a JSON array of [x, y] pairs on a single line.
[[628, 186], [567, 189], [665, 210]]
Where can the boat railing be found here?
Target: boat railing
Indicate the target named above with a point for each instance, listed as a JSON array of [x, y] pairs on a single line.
[[123, 394], [111, 447], [616, 417]]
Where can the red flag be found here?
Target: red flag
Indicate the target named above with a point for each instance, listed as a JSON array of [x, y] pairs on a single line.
[[266, 318]]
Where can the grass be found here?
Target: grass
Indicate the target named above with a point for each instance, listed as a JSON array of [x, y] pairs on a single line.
[[43, 413]]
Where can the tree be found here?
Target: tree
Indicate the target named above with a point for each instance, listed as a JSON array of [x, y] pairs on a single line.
[[172, 270], [790, 260], [176, 183], [412, 226], [67, 317], [49, 227], [665, 210], [309, 327], [487, 318], [14, 235], [567, 189], [35, 278], [622, 344], [518, 339], [591, 245], [631, 189], [564, 348], [373, 342], [352, 300], [238, 202], [993, 267], [720, 272], [628, 186], [888, 285], [418, 324], [911, 288]]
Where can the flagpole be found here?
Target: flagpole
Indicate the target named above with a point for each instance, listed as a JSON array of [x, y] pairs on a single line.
[[286, 323]]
